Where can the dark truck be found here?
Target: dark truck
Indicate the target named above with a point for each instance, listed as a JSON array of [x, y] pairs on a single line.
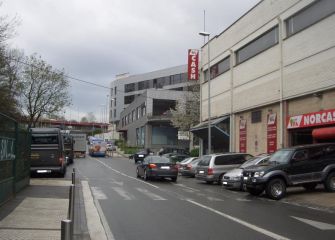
[[305, 166], [47, 151]]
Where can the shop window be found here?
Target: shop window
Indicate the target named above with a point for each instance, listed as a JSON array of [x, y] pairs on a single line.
[[260, 44], [313, 13], [256, 116]]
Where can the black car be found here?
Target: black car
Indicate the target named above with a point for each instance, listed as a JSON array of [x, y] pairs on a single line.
[[140, 155], [157, 167], [306, 166]]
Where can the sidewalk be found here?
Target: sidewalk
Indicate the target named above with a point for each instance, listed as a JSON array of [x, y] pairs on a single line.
[[36, 212]]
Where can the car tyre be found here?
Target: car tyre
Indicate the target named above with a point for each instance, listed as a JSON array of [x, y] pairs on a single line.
[[330, 182], [220, 180], [145, 176], [276, 189], [309, 186], [255, 191], [137, 173], [174, 179], [209, 182]]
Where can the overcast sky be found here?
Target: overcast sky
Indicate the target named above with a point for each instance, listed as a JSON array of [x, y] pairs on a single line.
[[94, 40]]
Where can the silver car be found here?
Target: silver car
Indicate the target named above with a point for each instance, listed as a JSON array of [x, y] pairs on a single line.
[[211, 168], [233, 178]]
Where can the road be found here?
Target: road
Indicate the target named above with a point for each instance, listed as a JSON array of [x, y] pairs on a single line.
[[134, 209]]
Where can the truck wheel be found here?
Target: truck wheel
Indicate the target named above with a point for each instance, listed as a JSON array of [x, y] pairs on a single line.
[[330, 182], [276, 189], [255, 191]]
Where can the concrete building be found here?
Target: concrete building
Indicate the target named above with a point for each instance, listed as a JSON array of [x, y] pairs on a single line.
[[272, 77], [140, 107]]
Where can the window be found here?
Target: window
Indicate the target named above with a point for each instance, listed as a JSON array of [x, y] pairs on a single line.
[[309, 15], [221, 160], [114, 113], [133, 116], [129, 87], [143, 110], [176, 79], [262, 43], [129, 99], [220, 67], [114, 102], [256, 116], [138, 112], [115, 90]]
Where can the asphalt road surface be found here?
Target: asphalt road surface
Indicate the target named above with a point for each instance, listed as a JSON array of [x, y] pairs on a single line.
[[189, 209]]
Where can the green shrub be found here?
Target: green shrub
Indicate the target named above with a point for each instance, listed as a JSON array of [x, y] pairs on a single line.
[[194, 152], [130, 150]]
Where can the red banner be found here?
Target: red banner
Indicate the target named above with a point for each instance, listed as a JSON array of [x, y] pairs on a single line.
[[243, 136], [193, 64], [311, 119], [272, 133]]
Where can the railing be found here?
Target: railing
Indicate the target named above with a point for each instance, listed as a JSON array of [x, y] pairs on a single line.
[[67, 225]]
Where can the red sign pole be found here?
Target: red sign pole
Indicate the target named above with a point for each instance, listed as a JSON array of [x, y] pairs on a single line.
[[272, 133], [243, 136]]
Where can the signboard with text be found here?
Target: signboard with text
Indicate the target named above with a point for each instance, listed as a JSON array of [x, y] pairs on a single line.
[[193, 64], [243, 136], [272, 133], [325, 117]]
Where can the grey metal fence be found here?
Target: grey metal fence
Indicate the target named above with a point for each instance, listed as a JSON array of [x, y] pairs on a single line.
[[14, 157]]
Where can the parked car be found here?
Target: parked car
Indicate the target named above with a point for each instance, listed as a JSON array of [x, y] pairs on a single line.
[[233, 179], [140, 155], [178, 157], [47, 151], [157, 167], [190, 168], [111, 147], [211, 168], [306, 166], [185, 162]]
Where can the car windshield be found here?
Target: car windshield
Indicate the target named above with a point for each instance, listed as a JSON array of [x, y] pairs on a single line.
[[185, 160], [204, 161], [44, 139], [280, 157], [158, 159], [252, 161]]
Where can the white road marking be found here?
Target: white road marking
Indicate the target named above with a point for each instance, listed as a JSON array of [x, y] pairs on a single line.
[[316, 224], [151, 195], [123, 193], [244, 223], [214, 199], [186, 187], [98, 193], [125, 175], [243, 200]]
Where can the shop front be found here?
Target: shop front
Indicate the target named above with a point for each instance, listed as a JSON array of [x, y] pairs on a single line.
[[314, 127]]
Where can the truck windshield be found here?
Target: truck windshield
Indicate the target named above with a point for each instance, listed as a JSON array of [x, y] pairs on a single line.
[[44, 139], [281, 157]]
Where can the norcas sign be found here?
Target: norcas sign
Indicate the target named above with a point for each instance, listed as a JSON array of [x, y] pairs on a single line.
[[193, 64], [311, 119]]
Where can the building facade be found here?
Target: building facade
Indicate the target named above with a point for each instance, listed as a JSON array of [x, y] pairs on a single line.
[[272, 76]]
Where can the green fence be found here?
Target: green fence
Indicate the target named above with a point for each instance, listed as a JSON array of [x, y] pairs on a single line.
[[14, 158]]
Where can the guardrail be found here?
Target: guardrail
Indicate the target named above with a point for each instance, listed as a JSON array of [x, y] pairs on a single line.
[[67, 225]]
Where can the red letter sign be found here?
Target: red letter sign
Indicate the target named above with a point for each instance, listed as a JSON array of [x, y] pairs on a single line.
[[193, 63]]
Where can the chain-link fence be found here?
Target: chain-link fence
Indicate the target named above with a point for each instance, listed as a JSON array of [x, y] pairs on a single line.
[[14, 157]]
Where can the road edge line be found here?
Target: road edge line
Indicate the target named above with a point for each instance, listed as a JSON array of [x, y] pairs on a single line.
[[94, 221]]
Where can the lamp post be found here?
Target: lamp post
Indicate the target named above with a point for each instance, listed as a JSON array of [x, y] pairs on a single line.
[[206, 34]]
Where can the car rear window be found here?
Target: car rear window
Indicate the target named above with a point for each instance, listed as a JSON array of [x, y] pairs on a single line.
[[44, 139], [159, 159], [205, 160]]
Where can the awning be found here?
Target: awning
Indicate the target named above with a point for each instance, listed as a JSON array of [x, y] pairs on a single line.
[[324, 133], [201, 130]]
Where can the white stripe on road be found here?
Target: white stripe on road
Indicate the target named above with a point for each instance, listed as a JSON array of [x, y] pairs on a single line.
[[98, 193], [151, 195], [214, 199], [244, 223], [186, 187], [125, 175], [316, 224], [123, 193]]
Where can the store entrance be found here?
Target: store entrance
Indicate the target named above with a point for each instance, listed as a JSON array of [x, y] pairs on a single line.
[[301, 136], [312, 135]]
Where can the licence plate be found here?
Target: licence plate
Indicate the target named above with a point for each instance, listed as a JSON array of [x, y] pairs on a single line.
[[140, 155], [245, 178], [201, 172], [224, 183], [43, 171], [165, 167]]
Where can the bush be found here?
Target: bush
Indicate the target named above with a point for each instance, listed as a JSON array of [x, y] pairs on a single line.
[[194, 152], [130, 150]]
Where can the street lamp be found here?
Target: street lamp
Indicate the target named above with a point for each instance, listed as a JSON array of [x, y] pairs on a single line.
[[206, 34]]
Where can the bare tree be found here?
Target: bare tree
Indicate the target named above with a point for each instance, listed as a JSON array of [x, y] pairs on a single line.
[[44, 91], [91, 117]]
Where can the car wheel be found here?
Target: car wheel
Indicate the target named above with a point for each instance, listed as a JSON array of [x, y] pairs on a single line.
[[174, 179], [137, 173], [330, 182], [145, 176], [309, 186], [276, 189], [220, 180], [255, 191], [209, 182]]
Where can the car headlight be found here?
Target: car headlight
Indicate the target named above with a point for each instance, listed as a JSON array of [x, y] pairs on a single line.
[[259, 174], [236, 178]]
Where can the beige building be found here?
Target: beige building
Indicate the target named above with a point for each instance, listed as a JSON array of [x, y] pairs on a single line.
[[272, 77]]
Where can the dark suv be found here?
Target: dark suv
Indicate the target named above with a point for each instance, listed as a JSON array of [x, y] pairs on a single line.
[[305, 165]]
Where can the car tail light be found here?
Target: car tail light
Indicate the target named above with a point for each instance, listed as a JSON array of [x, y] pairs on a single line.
[[189, 166], [210, 171], [151, 166], [61, 160]]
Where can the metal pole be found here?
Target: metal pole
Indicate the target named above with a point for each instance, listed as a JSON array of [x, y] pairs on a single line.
[[209, 100], [66, 230], [73, 176]]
